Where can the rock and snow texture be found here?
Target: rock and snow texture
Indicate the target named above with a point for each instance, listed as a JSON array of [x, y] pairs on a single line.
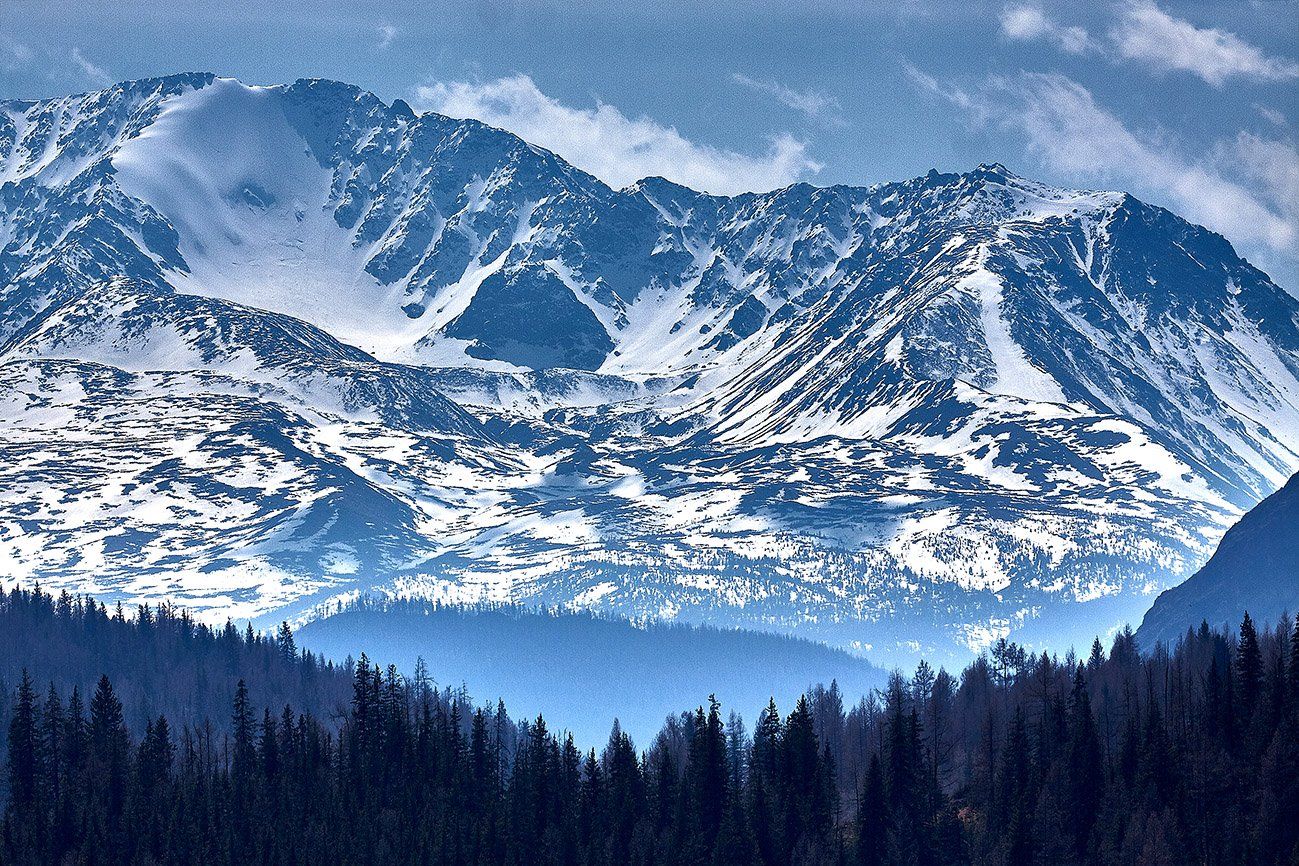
[[263, 347]]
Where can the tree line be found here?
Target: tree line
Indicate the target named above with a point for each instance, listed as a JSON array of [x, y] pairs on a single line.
[[160, 659], [1188, 754]]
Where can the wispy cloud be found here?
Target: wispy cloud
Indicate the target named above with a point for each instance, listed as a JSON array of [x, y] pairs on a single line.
[[813, 103], [387, 33], [1241, 189], [1271, 115], [95, 73], [614, 147], [1150, 35], [1026, 22], [14, 55], [1271, 165], [1144, 33]]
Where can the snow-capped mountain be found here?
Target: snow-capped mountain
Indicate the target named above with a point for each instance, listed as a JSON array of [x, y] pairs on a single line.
[[263, 347]]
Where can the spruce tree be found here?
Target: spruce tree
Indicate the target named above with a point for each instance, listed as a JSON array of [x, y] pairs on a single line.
[[1249, 668], [1084, 780], [23, 826], [873, 818], [23, 750], [284, 642], [1293, 672]]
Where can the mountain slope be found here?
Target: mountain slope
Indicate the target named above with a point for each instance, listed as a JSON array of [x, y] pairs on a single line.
[[1254, 569], [915, 416]]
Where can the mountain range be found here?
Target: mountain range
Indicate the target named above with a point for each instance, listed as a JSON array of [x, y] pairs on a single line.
[[266, 350]]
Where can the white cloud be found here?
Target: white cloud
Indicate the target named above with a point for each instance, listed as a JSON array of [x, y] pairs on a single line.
[[1273, 167], [614, 147], [95, 73], [387, 33], [813, 103], [1027, 23], [14, 55], [975, 107], [1148, 34], [1271, 115], [1241, 189]]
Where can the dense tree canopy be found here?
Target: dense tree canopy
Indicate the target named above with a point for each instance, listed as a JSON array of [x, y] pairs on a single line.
[[1184, 755]]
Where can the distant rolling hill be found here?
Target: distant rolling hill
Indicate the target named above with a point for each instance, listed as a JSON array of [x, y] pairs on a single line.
[[582, 670]]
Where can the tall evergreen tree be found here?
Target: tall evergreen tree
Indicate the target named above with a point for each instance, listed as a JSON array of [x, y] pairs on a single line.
[[1249, 668], [1084, 779], [285, 643], [1293, 671], [873, 818], [23, 750]]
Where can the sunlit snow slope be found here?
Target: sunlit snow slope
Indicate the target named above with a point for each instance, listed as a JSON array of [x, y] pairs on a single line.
[[265, 347]]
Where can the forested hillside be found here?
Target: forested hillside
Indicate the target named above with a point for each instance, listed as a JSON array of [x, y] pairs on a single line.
[[160, 660], [1188, 755]]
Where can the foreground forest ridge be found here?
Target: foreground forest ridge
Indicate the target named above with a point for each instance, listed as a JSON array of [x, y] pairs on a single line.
[[1184, 755]]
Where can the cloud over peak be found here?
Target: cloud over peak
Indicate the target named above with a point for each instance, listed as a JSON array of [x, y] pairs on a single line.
[[618, 149], [90, 70], [1241, 189]]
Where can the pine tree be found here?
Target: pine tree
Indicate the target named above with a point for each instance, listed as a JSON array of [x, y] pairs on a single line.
[[244, 752], [591, 806], [75, 736], [1293, 671], [284, 642], [706, 775], [1014, 803], [109, 753], [625, 792], [268, 749], [1249, 668], [53, 723], [23, 750], [803, 797], [873, 818], [1084, 779], [766, 835], [1097, 657], [766, 745], [24, 827]]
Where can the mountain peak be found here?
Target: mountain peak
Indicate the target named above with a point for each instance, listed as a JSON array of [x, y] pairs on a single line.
[[165, 84], [993, 171], [697, 404]]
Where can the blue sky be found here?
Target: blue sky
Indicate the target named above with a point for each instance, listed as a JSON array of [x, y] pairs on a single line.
[[1191, 105]]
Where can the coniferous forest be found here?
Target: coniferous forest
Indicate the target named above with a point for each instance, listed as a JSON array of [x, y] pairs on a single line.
[[1189, 754]]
